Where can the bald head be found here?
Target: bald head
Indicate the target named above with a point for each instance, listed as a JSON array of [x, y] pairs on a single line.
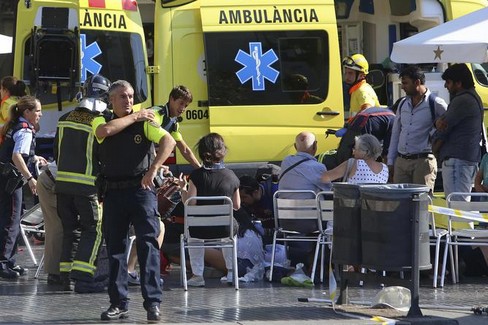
[[305, 142]]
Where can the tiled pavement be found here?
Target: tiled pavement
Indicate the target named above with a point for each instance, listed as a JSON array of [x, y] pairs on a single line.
[[32, 301]]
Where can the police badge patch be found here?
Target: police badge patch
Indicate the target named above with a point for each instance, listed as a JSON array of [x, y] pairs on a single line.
[[137, 139]]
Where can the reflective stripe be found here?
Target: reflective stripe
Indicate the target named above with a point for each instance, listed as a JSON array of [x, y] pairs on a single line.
[[89, 153], [65, 266], [84, 267], [77, 126], [98, 239], [75, 178], [87, 178], [60, 136]]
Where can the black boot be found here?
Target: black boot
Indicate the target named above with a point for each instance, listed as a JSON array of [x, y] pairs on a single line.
[[54, 279], [66, 283], [153, 314]]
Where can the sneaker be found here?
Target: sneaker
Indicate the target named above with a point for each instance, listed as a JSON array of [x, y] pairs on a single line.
[[114, 313], [19, 269], [8, 274], [196, 281], [134, 279]]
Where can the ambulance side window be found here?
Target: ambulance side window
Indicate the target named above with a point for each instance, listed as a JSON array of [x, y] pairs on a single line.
[[267, 68]]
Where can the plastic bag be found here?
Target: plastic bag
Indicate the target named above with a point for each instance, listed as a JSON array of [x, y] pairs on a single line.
[[298, 278], [281, 258], [394, 297], [254, 274]]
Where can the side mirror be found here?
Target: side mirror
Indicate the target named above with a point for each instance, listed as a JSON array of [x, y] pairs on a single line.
[[376, 78]]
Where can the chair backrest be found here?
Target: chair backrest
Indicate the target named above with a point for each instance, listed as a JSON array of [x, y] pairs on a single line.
[[325, 205], [432, 223], [457, 200], [33, 217], [207, 212], [293, 211]]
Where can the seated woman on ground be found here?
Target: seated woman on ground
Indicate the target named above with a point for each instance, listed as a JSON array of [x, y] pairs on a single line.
[[212, 179], [365, 168]]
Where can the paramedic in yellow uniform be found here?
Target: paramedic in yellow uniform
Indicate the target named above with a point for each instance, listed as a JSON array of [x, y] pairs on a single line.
[[356, 68]]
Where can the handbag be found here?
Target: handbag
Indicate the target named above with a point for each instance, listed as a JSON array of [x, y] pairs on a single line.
[[350, 161], [168, 195], [11, 178]]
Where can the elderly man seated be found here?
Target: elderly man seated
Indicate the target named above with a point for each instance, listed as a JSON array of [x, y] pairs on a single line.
[[302, 171]]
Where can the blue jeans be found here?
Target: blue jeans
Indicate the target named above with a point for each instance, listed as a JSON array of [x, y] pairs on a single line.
[[458, 175]]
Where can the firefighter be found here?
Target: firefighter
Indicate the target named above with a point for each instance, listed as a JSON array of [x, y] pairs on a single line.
[[75, 151]]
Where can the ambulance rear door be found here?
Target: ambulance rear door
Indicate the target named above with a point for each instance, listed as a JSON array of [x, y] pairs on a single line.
[[272, 71]]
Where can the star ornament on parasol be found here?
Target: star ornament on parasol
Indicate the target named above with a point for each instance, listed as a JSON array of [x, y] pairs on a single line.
[[438, 53]]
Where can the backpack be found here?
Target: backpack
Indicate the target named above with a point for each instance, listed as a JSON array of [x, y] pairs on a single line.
[[431, 99]]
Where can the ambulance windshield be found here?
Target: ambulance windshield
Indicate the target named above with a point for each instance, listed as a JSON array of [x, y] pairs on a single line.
[[267, 68]]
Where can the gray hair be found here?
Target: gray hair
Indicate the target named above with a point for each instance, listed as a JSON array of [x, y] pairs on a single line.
[[119, 84], [369, 144]]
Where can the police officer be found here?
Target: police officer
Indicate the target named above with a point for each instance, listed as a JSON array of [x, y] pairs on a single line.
[[75, 152], [179, 99], [128, 170], [17, 139]]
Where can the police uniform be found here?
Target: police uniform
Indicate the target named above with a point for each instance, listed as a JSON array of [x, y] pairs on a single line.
[[125, 157], [168, 123], [76, 151], [11, 203]]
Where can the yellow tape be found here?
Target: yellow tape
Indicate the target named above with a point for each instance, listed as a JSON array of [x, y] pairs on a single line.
[[468, 215], [383, 320]]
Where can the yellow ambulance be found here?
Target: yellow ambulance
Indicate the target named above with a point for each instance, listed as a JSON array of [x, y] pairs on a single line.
[[263, 71], [59, 43], [260, 72]]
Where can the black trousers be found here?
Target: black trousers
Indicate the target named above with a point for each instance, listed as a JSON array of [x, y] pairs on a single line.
[[82, 234]]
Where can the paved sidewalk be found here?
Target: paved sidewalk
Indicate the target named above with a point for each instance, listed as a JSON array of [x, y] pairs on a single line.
[[32, 301]]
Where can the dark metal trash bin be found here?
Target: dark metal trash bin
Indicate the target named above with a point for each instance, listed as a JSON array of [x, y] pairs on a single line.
[[347, 224], [387, 215]]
